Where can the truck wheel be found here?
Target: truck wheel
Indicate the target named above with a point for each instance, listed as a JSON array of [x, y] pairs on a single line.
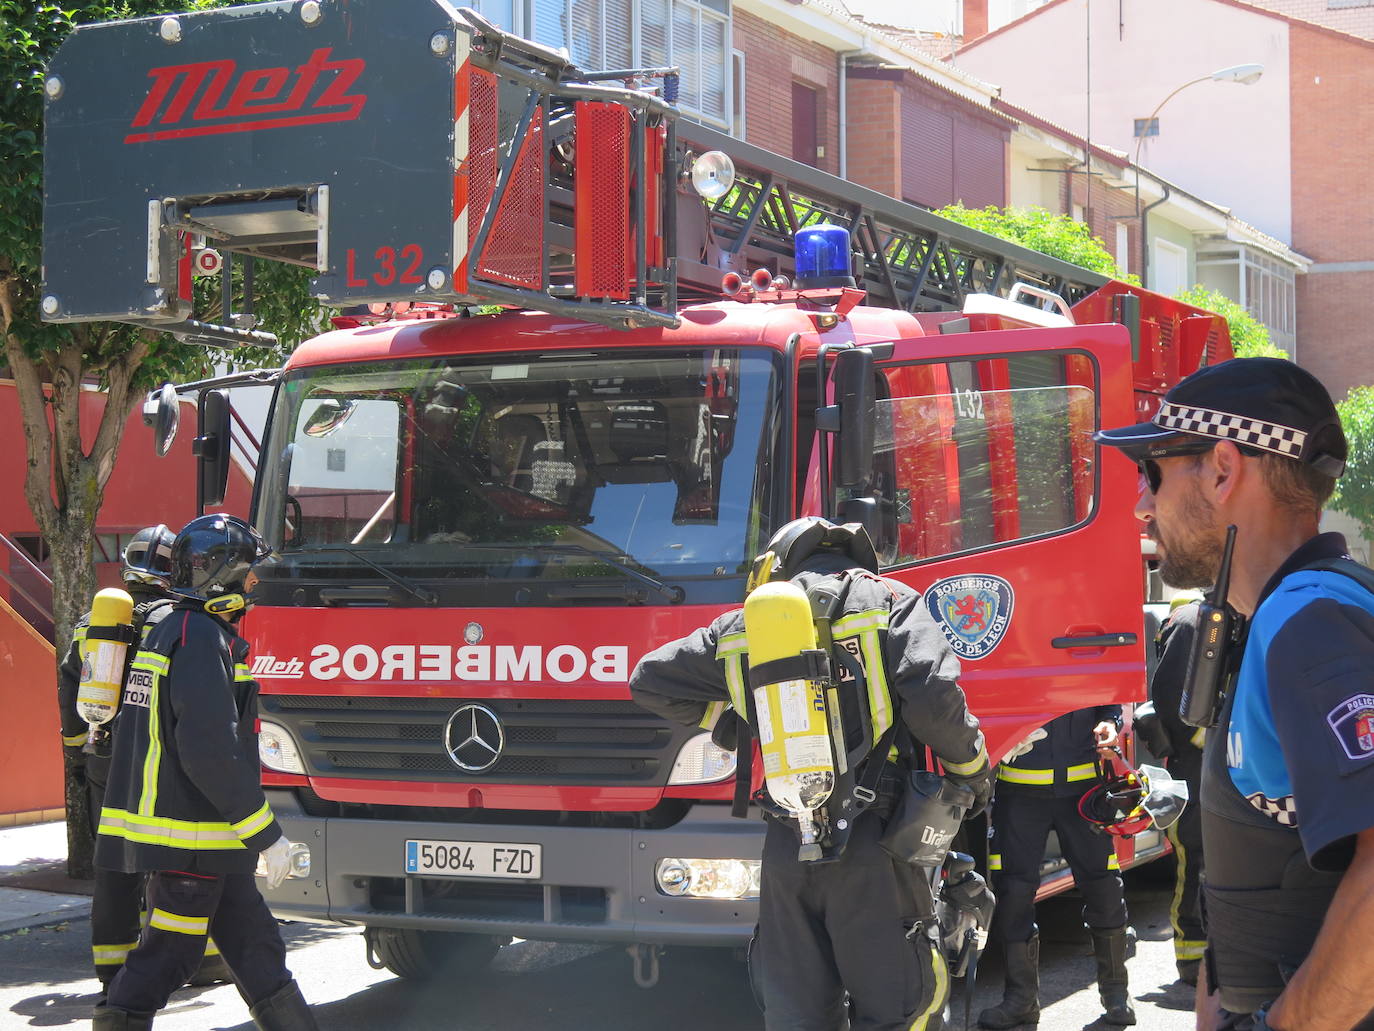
[[423, 955]]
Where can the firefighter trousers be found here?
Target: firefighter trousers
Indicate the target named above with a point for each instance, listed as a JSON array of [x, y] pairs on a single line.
[[116, 905], [825, 928], [1185, 912], [1021, 822], [182, 910]]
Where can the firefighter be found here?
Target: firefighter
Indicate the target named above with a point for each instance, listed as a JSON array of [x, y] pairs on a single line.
[[116, 898], [1256, 444], [856, 923], [1039, 786], [1182, 757], [184, 804]]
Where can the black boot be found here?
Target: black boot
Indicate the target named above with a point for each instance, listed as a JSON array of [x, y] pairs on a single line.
[[1021, 996], [284, 1010], [1109, 947], [108, 1018]]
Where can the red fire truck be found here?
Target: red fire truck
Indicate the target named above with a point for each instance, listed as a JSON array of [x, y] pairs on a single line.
[[482, 520]]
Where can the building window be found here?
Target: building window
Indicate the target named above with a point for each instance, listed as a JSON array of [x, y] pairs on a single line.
[[1169, 271], [1123, 248], [1146, 127], [1076, 212], [694, 35], [737, 110]]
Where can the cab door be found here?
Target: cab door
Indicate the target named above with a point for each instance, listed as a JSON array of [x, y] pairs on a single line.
[[1016, 528]]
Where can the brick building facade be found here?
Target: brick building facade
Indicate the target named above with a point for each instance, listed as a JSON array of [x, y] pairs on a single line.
[[1353, 16]]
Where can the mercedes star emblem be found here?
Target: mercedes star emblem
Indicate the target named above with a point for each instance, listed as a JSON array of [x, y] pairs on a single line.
[[474, 738]]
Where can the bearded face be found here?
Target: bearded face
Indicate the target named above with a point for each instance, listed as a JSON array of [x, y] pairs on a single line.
[[1188, 535]]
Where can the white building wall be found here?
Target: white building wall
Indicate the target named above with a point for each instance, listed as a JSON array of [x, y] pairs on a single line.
[[1227, 142]]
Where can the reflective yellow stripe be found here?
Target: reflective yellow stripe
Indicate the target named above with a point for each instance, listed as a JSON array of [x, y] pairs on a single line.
[[75, 742], [1199, 738], [154, 830], [250, 825], [1113, 863], [79, 634], [147, 801], [153, 662], [734, 681], [165, 921], [1188, 950], [1083, 771], [995, 861], [1016, 775], [975, 764], [211, 949], [242, 672], [732, 644], [712, 715], [875, 672], [111, 955], [870, 620], [937, 1004]]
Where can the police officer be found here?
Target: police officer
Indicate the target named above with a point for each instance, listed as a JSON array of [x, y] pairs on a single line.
[[184, 803], [828, 927], [116, 899], [1179, 746], [1038, 789], [1288, 769]]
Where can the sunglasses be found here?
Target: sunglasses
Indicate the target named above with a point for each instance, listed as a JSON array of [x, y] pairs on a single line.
[[1154, 476]]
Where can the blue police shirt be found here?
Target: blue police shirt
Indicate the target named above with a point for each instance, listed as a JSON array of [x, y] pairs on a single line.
[[1300, 746]]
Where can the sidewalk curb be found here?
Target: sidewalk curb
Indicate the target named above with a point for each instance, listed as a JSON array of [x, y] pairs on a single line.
[[21, 909]]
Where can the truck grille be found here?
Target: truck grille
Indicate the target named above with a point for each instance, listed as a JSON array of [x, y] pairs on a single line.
[[547, 741]]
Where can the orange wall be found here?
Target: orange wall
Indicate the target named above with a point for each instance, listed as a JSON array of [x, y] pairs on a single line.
[[31, 746]]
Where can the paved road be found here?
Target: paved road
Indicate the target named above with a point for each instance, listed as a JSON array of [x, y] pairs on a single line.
[[534, 986]]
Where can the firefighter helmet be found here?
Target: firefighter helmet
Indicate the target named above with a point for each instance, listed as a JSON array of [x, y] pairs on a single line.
[[148, 557], [212, 555], [1127, 802], [798, 540]]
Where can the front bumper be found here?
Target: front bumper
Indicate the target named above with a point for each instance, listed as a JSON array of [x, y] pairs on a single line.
[[598, 884]]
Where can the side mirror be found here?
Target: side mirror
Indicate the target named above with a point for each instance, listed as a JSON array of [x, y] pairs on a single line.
[[162, 412], [212, 449], [856, 397]]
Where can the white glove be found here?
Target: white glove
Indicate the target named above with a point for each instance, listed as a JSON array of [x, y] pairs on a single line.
[[276, 862], [1027, 744]]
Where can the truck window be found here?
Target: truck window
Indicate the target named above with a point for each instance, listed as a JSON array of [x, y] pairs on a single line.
[[977, 453], [526, 467]]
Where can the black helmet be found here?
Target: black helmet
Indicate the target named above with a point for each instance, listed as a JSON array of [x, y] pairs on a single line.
[[148, 557], [798, 540], [1124, 803], [212, 555]]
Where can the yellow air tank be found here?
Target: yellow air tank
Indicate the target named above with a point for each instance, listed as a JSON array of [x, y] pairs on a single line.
[[793, 726], [103, 655]]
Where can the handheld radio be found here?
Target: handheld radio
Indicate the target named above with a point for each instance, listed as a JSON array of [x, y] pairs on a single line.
[[1219, 630]]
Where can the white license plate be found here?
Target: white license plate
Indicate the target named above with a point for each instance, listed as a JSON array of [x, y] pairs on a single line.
[[474, 859]]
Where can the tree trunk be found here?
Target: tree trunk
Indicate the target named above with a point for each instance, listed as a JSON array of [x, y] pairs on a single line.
[[73, 585]]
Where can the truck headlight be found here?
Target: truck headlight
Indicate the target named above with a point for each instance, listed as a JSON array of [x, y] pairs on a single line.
[[701, 761], [709, 878], [277, 749]]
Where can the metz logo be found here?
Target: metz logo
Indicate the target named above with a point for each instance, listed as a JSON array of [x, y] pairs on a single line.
[[269, 667], [214, 97]]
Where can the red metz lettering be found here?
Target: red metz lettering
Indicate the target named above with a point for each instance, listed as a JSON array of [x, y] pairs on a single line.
[[263, 98]]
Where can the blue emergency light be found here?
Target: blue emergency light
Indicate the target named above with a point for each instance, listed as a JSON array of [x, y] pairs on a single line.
[[823, 258]]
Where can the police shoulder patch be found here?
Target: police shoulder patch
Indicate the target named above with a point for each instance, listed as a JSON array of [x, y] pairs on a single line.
[[973, 611], [1352, 722]]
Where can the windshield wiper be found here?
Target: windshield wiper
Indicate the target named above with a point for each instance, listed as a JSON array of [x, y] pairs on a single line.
[[421, 594], [672, 594]]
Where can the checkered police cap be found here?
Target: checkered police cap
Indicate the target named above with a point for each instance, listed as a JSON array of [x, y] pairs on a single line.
[[1268, 404]]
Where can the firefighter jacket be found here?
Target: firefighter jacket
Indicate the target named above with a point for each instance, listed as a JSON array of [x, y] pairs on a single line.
[[184, 791], [1062, 761], [149, 607], [1173, 646], [910, 672]]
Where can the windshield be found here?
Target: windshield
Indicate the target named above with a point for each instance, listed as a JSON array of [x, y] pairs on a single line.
[[628, 466]]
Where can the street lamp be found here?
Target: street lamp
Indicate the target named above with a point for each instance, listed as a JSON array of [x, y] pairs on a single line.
[[1246, 75]]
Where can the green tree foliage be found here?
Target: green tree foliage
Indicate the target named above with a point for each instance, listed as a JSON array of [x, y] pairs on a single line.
[[65, 477], [1355, 490], [1249, 337], [1059, 236]]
